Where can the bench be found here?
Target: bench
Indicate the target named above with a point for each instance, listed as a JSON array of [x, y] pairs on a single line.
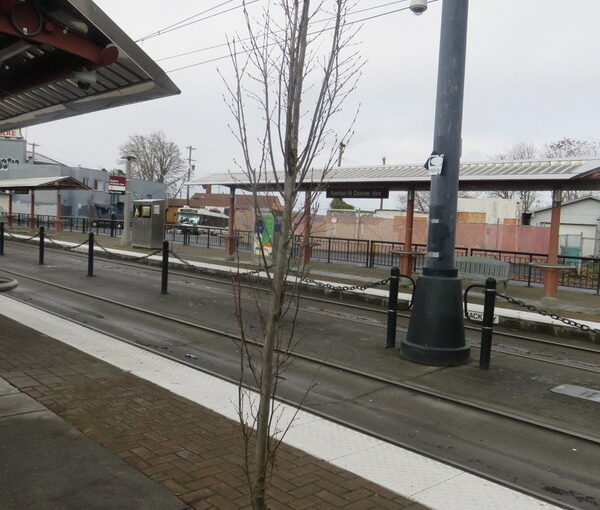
[[478, 269]]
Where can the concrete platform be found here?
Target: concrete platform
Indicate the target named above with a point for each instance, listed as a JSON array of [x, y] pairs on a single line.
[[47, 464]]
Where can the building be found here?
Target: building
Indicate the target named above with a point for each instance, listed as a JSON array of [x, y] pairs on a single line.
[[578, 226], [94, 203]]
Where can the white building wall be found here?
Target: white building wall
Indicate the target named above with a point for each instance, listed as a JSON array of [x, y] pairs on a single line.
[[578, 221], [584, 212], [495, 209]]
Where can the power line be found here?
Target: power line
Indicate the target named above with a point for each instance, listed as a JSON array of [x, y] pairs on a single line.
[[158, 32], [368, 18], [221, 45], [182, 24]]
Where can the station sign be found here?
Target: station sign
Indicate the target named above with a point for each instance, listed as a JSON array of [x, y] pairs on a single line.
[[11, 133], [358, 193], [117, 184]]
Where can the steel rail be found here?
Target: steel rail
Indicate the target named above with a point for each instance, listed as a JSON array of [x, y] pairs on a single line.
[[340, 421], [385, 380], [192, 274]]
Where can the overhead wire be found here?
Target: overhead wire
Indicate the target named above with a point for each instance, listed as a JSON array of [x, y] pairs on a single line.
[[223, 57], [222, 45], [182, 24]]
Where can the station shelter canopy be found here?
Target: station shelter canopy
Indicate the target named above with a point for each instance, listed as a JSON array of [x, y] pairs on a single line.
[[549, 174], [41, 183], [60, 58], [376, 182], [31, 185]]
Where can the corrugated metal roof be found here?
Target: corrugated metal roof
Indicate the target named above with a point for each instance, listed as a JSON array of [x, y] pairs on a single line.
[[52, 92], [64, 182], [527, 174]]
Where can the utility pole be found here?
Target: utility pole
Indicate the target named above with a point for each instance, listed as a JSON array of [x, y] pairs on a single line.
[[126, 235], [342, 147], [436, 333], [33, 146], [190, 168]]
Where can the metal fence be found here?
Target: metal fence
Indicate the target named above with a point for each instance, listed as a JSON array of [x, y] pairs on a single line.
[[368, 253], [584, 275], [72, 223], [208, 237]]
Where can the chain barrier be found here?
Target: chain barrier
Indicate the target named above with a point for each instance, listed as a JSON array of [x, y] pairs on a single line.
[[9, 234], [183, 261], [67, 248], [155, 252], [531, 308], [523, 304], [343, 288], [108, 252]]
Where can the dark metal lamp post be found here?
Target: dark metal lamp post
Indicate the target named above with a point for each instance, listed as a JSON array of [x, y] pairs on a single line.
[[436, 333]]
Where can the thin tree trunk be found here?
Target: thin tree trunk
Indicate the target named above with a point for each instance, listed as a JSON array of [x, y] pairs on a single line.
[[267, 369]]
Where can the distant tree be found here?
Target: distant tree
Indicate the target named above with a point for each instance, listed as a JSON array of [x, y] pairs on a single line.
[[339, 203], [520, 150], [573, 148], [157, 159], [422, 200]]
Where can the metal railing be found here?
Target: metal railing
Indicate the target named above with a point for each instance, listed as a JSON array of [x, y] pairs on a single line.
[[368, 253], [71, 223], [584, 275], [208, 237]]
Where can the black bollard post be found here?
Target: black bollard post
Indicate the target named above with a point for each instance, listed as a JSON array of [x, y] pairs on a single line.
[[1, 238], [91, 254], [42, 238], [165, 267], [488, 324], [392, 308]]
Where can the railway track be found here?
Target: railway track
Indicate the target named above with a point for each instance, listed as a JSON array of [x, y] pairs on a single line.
[[297, 355], [503, 348]]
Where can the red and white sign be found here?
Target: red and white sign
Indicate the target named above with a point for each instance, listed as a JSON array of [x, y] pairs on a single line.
[[11, 133], [334, 219], [117, 184]]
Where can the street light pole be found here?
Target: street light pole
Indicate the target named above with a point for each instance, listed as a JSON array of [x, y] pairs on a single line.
[[436, 333], [126, 233]]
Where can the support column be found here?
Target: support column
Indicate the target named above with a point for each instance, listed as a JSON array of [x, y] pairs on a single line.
[[58, 219], [306, 248], [231, 223], [32, 210], [436, 333], [10, 209], [126, 233], [407, 261], [551, 275]]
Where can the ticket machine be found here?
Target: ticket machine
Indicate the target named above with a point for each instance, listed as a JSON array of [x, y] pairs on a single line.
[[148, 223]]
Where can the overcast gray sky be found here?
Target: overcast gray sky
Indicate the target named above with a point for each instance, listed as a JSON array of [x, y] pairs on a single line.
[[532, 74]]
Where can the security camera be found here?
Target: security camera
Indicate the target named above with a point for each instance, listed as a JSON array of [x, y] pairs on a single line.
[[84, 78], [418, 6]]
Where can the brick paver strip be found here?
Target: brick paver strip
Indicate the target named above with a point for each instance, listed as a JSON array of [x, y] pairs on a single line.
[[192, 451]]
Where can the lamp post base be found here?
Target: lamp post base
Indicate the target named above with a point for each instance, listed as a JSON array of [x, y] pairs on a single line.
[[436, 333]]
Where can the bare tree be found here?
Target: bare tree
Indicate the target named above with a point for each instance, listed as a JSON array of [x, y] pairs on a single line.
[[422, 200], [573, 148], [519, 151], [157, 159], [295, 68]]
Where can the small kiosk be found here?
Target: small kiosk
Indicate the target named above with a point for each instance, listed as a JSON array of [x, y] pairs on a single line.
[[148, 223]]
